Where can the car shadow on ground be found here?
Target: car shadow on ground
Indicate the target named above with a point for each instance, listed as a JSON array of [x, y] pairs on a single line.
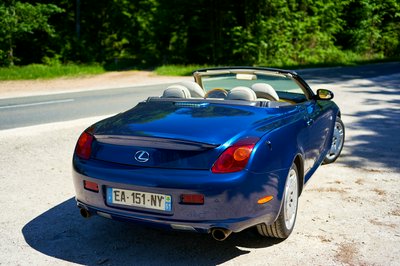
[[62, 233]]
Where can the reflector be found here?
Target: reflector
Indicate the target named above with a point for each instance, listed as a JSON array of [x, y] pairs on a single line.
[[89, 185], [265, 199], [192, 198]]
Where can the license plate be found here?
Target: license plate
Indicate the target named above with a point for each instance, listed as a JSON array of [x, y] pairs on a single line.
[[139, 199]]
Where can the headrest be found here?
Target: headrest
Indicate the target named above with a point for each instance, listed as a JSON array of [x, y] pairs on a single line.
[[195, 90], [264, 90], [176, 91], [241, 93]]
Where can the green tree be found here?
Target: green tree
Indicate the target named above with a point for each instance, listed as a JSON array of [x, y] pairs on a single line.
[[18, 19], [289, 32], [146, 33], [374, 27]]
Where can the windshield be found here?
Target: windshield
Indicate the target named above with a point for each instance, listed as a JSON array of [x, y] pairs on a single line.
[[285, 86]]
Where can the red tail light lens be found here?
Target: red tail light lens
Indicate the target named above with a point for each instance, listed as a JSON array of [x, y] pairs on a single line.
[[235, 158], [84, 146]]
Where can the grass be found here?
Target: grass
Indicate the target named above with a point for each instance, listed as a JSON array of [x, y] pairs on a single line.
[[345, 63], [37, 71], [178, 70], [186, 70]]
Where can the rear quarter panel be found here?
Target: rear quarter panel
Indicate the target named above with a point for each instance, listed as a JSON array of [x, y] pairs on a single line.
[[276, 151], [290, 136]]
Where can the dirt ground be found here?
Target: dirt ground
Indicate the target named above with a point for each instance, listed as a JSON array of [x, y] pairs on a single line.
[[349, 212], [108, 80]]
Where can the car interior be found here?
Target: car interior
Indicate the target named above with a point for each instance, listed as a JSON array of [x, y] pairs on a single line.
[[261, 94]]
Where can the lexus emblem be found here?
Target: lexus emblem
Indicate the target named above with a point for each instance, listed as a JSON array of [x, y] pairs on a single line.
[[142, 156]]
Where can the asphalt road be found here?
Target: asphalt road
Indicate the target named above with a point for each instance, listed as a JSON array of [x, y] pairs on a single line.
[[34, 110], [339, 74]]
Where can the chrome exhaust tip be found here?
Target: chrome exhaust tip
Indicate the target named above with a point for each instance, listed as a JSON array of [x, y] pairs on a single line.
[[220, 234]]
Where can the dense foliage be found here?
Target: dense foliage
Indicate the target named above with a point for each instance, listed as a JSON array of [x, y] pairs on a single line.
[[122, 33]]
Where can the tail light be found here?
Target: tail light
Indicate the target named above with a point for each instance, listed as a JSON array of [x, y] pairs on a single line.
[[84, 146], [235, 158]]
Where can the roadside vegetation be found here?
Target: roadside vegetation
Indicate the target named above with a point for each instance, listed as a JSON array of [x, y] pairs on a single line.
[[36, 71], [40, 71], [186, 70], [178, 70], [180, 35]]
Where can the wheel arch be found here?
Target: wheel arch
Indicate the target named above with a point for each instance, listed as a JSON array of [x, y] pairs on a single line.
[[299, 162]]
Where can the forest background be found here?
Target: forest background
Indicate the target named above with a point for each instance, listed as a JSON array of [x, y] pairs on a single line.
[[138, 34]]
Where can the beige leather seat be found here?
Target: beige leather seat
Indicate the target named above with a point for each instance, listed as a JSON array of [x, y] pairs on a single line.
[[265, 91], [241, 93], [176, 91], [195, 90]]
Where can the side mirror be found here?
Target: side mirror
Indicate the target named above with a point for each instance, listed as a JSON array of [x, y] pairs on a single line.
[[323, 94]]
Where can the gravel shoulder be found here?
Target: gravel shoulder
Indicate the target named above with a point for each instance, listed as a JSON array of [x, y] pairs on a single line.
[[349, 213]]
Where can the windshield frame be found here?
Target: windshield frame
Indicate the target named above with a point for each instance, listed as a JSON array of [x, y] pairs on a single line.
[[291, 75]]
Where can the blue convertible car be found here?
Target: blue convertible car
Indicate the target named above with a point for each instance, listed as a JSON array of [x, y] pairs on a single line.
[[229, 151]]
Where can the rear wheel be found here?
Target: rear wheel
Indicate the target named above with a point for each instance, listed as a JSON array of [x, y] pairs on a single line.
[[337, 142], [283, 226]]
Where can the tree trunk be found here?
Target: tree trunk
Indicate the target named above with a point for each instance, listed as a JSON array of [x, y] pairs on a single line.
[[10, 56]]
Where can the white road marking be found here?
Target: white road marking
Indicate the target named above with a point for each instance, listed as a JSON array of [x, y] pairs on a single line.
[[35, 104]]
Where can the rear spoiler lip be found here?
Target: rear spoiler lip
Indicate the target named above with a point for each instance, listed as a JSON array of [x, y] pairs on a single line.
[[154, 142]]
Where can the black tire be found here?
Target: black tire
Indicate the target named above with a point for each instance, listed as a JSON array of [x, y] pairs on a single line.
[[337, 142], [284, 224]]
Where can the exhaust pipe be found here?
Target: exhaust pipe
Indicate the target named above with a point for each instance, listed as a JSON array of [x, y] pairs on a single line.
[[84, 213], [220, 234]]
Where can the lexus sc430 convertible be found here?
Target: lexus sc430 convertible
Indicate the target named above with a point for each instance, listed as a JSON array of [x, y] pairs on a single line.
[[231, 150]]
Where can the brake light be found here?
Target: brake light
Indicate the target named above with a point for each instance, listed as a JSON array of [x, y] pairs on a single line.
[[235, 158], [84, 146]]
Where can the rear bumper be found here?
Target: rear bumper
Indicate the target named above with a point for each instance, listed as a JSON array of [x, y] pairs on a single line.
[[198, 226], [230, 199]]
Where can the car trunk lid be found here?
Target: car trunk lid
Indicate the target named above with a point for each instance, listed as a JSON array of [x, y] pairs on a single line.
[[166, 135], [154, 152]]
